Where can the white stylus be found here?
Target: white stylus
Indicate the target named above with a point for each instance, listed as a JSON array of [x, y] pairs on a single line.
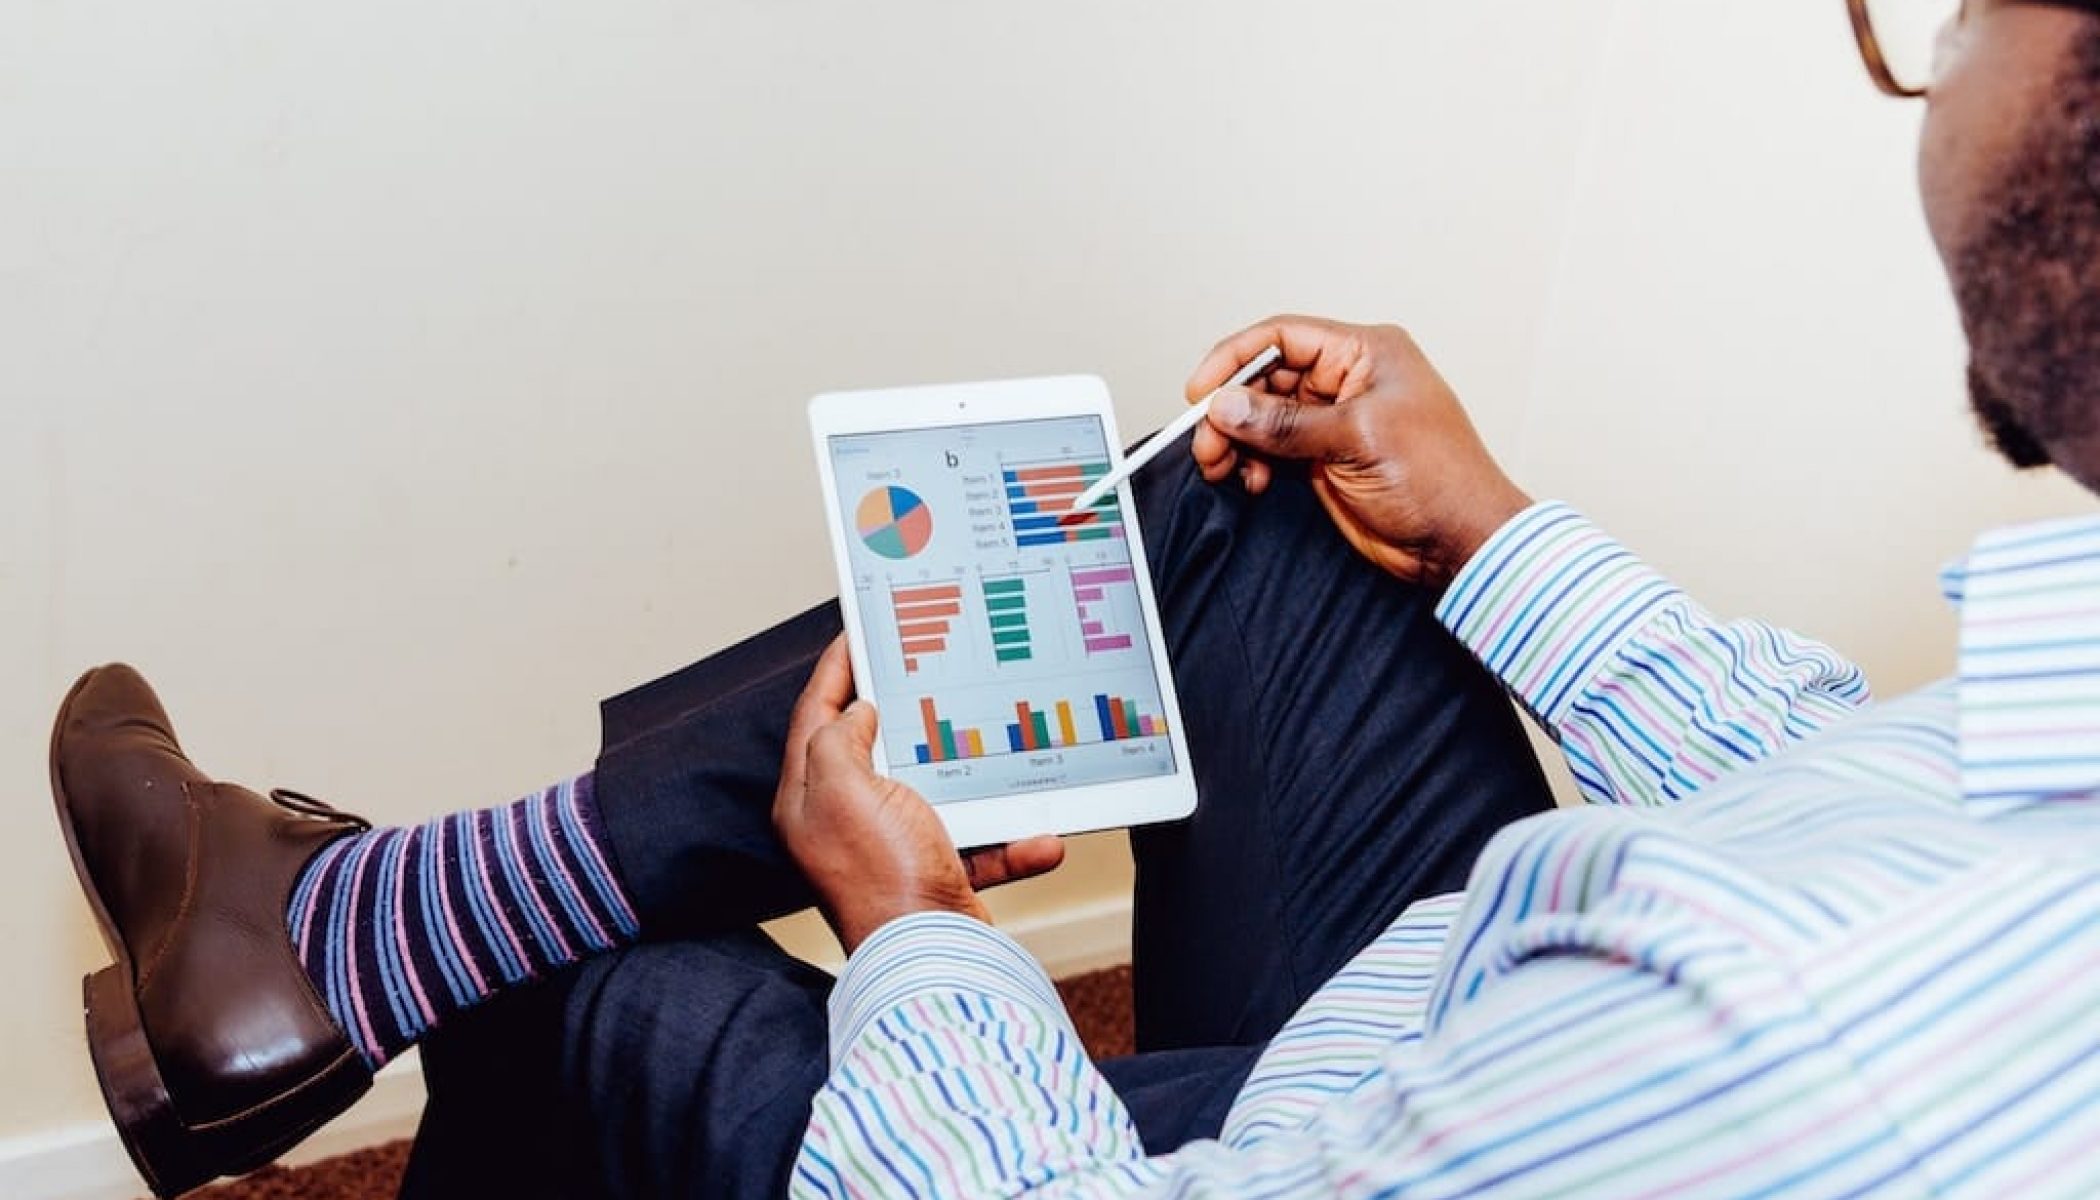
[[1166, 437]]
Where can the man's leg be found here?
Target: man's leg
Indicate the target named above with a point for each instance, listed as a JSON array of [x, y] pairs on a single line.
[[1351, 758]]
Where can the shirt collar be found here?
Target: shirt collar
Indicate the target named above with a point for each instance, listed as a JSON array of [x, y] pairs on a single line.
[[2030, 662]]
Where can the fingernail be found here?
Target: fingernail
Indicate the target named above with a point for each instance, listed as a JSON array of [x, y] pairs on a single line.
[[1233, 406]]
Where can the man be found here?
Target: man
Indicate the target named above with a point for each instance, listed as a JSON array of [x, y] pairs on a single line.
[[1796, 946]]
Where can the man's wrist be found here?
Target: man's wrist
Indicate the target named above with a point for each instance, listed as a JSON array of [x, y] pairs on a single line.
[[856, 923], [1478, 523]]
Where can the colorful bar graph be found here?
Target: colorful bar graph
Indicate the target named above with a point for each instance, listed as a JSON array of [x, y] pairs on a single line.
[[944, 742], [1006, 608], [1090, 595], [925, 615], [1119, 719], [1038, 496]]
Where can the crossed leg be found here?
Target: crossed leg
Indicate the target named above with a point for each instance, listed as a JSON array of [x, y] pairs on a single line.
[[1350, 758]]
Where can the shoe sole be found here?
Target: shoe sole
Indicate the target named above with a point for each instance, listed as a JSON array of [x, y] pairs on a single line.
[[171, 1155]]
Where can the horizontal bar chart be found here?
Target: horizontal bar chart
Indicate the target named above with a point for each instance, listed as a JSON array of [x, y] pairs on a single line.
[[1090, 595], [1006, 611], [925, 617], [1039, 497]]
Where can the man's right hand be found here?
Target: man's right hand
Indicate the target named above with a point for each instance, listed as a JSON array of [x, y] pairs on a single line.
[[1392, 454]]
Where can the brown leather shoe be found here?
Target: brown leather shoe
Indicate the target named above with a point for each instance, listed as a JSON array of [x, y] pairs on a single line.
[[214, 1052]]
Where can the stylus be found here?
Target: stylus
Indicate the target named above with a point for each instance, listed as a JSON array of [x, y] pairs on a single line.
[[1167, 437]]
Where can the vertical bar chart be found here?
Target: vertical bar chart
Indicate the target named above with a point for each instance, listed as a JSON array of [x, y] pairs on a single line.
[[1120, 719], [1039, 495], [925, 615], [944, 742], [1006, 609], [1090, 594]]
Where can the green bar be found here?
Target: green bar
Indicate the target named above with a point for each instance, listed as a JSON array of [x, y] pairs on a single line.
[[1016, 654], [948, 753], [1042, 728], [1006, 603], [1009, 637], [1009, 620], [1130, 718], [996, 587], [1091, 533], [1092, 470]]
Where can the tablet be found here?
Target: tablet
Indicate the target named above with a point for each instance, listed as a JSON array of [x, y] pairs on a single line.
[[1015, 659]]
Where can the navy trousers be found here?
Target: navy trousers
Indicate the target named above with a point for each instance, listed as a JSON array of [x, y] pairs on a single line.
[[1350, 758]]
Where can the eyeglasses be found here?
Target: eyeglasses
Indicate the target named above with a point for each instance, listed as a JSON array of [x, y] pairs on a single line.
[[1906, 43]]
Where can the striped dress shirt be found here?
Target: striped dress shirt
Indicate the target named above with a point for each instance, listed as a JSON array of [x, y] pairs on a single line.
[[1795, 945]]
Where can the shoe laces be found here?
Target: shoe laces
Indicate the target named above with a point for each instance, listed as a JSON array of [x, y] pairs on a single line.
[[306, 806]]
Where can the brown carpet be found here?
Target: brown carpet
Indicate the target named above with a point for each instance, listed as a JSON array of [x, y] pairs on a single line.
[[1100, 1006]]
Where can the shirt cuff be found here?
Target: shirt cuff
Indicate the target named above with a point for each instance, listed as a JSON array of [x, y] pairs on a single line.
[[934, 952], [1547, 601]]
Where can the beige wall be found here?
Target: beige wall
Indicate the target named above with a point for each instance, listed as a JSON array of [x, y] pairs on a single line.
[[392, 380]]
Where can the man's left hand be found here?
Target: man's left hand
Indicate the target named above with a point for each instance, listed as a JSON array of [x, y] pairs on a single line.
[[872, 847]]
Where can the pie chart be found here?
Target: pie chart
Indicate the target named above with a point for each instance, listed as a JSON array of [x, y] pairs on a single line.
[[894, 522]]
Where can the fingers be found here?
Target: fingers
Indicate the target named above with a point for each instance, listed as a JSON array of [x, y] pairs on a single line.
[[1014, 861], [1316, 355], [830, 686], [842, 752], [1283, 427]]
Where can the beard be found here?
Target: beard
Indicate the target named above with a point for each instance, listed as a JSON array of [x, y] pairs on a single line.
[[2027, 280]]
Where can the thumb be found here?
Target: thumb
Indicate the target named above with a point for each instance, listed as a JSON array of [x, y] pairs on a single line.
[[847, 745], [1279, 426]]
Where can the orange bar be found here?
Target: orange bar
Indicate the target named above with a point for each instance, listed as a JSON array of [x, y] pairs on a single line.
[[1034, 474], [923, 611], [925, 646], [1064, 723], [945, 591], [933, 728], [923, 629], [976, 742], [1021, 714]]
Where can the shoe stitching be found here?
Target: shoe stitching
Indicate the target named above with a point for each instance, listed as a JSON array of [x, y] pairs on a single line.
[[189, 890]]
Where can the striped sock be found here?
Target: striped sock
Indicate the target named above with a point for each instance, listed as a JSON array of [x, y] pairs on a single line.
[[399, 928]]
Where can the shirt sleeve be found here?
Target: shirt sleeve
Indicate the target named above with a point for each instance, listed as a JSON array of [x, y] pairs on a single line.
[[1649, 696], [956, 1074]]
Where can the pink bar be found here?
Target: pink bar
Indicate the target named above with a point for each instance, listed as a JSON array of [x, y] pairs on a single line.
[[1082, 579], [1092, 628], [1087, 595], [1148, 726], [1097, 645]]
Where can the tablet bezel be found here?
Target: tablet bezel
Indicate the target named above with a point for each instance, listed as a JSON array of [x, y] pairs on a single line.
[[997, 819]]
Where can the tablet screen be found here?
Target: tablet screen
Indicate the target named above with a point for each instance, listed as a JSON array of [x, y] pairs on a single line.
[[1008, 651]]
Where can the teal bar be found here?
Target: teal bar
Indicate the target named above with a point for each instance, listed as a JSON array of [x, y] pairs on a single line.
[[1009, 620], [948, 753], [1130, 718], [1017, 654], [1009, 637], [1006, 603], [1042, 729], [1000, 587]]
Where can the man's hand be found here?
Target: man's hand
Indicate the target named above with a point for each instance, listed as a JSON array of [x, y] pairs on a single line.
[[872, 847], [1392, 455]]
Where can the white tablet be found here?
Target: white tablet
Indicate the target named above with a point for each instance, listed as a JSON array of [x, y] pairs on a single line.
[[1015, 658]]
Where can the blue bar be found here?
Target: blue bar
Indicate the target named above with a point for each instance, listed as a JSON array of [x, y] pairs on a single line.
[[1033, 523], [1053, 538], [1024, 506], [1013, 738], [925, 755], [1108, 724]]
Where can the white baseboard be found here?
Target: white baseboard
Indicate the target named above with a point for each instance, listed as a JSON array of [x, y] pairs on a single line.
[[86, 1162]]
